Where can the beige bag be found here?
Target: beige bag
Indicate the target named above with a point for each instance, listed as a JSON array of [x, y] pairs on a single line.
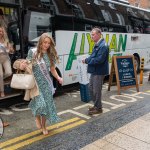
[[22, 81]]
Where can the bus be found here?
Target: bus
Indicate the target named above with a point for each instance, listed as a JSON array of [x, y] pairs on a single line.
[[125, 28]]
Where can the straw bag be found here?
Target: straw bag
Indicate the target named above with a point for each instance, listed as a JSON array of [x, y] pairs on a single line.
[[22, 81]]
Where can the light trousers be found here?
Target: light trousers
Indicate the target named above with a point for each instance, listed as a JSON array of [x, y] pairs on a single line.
[[5, 69]]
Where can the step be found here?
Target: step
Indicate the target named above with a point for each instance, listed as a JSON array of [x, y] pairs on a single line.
[[11, 95]]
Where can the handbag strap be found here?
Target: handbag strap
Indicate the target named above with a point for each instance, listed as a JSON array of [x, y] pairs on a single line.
[[19, 71]]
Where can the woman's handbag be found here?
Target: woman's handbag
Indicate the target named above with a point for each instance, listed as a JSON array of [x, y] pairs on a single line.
[[22, 81]]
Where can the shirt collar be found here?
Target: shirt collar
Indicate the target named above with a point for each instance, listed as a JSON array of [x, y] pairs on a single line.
[[98, 41], [96, 44]]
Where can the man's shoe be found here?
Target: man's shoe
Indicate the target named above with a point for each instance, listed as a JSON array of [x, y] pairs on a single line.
[[95, 111], [5, 124], [91, 108]]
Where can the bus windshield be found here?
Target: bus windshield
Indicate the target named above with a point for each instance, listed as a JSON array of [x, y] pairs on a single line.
[[37, 23]]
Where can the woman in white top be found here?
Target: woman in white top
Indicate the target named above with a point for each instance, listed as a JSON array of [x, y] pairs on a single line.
[[5, 64]]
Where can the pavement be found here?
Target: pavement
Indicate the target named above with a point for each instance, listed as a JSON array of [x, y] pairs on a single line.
[[132, 136]]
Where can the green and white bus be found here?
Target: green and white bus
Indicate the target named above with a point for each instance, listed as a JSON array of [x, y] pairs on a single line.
[[126, 29]]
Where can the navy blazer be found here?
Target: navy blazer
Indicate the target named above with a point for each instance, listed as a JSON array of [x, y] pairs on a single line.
[[98, 60]]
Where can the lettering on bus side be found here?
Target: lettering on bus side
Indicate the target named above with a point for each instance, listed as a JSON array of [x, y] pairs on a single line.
[[116, 46]]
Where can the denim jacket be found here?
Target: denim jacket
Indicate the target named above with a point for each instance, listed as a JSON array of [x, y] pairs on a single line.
[[98, 60]]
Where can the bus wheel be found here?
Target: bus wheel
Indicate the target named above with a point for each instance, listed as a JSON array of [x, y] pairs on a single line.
[[137, 63]]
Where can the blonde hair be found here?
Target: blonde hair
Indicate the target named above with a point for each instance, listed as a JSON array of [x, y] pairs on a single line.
[[5, 37], [52, 53]]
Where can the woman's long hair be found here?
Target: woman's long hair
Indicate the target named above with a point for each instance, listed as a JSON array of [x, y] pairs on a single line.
[[4, 37], [52, 53]]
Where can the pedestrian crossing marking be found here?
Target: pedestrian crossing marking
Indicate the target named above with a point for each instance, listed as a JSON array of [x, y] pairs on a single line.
[[82, 106], [14, 140], [74, 112]]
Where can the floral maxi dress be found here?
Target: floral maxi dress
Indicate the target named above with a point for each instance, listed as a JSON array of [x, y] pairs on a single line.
[[43, 104]]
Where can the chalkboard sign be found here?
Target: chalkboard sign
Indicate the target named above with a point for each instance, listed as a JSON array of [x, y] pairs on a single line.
[[124, 69]]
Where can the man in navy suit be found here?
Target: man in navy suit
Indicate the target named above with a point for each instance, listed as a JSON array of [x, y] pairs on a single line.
[[98, 68]]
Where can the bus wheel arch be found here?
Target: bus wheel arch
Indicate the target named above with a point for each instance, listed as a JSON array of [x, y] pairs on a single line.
[[137, 62], [55, 82]]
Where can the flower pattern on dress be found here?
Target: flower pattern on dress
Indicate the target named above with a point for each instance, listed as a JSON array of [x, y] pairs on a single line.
[[43, 104]]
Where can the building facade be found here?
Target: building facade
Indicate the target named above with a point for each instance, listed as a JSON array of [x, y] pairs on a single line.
[[140, 3]]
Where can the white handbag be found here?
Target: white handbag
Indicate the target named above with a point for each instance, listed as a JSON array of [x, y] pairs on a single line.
[[22, 81]]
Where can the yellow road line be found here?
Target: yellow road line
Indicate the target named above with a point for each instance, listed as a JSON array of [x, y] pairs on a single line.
[[40, 137], [14, 140]]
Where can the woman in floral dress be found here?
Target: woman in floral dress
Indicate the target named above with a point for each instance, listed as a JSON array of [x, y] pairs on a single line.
[[44, 56]]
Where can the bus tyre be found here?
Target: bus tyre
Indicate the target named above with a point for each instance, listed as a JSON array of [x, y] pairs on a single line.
[[137, 64]]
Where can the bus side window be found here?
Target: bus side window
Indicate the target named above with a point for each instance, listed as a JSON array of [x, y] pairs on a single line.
[[88, 27], [129, 29], [147, 27], [136, 30], [105, 29], [107, 16]]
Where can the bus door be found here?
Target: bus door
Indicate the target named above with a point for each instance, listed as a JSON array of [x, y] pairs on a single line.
[[10, 21]]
